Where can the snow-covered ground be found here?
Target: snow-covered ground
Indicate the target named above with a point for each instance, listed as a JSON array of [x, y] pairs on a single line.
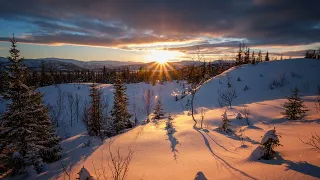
[[189, 152]]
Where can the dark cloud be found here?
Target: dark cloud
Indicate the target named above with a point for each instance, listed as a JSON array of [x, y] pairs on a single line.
[[116, 22]]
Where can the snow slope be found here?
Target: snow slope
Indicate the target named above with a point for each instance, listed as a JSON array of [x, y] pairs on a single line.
[[191, 152]]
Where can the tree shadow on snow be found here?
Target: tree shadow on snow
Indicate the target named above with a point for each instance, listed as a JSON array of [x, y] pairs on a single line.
[[221, 160], [301, 167], [304, 168], [284, 120], [74, 150], [200, 176], [173, 141], [234, 136]]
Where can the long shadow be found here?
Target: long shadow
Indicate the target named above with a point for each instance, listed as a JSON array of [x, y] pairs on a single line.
[[74, 151], [302, 167], [283, 120], [223, 162], [200, 176], [208, 134], [234, 136], [277, 107], [173, 141]]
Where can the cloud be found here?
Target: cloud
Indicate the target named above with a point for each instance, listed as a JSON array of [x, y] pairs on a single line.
[[123, 22]]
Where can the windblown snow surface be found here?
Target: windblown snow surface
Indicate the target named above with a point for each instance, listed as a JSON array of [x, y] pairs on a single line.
[[194, 153]]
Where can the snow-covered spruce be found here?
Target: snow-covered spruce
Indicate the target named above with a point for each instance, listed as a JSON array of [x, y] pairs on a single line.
[[27, 135], [239, 116], [225, 126], [294, 108], [95, 115], [120, 114], [158, 110], [269, 141]]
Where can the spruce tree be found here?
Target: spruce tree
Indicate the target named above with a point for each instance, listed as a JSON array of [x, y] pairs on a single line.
[[247, 56], [158, 110], [239, 55], [225, 123], [253, 58], [95, 114], [267, 57], [294, 108], [26, 133], [120, 115], [259, 57], [268, 142]]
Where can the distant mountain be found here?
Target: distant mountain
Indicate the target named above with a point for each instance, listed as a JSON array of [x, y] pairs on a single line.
[[72, 64]]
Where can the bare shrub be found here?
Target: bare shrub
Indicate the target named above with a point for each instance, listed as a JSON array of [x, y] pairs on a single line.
[[314, 141], [71, 103], [279, 82], [77, 104], [226, 97], [118, 165], [295, 75], [85, 115], [245, 111], [306, 86], [202, 115], [57, 110], [148, 103], [67, 171]]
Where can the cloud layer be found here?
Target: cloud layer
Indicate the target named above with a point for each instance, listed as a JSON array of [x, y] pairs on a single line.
[[180, 23]]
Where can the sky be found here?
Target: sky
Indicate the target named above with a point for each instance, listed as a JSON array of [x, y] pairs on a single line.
[[140, 30]]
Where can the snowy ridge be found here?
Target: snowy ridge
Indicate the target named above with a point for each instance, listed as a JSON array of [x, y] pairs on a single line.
[[186, 152]]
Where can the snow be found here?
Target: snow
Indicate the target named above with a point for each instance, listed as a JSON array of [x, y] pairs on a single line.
[[188, 152], [271, 134]]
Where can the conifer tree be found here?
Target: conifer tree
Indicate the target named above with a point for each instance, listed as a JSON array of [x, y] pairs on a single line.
[[158, 110], [44, 79], [239, 55], [267, 57], [95, 115], [120, 115], [247, 56], [268, 142], [26, 133], [225, 123], [294, 108], [253, 58], [259, 57]]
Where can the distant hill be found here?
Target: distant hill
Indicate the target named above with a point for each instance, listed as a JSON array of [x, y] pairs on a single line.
[[72, 64]]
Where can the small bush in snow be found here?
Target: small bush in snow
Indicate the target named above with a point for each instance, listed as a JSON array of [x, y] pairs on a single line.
[[239, 79], [294, 108], [269, 141], [246, 88], [225, 126], [176, 98], [279, 82], [295, 75], [245, 111], [239, 116], [158, 110]]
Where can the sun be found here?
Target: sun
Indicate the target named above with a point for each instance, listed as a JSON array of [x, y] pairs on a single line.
[[161, 56]]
